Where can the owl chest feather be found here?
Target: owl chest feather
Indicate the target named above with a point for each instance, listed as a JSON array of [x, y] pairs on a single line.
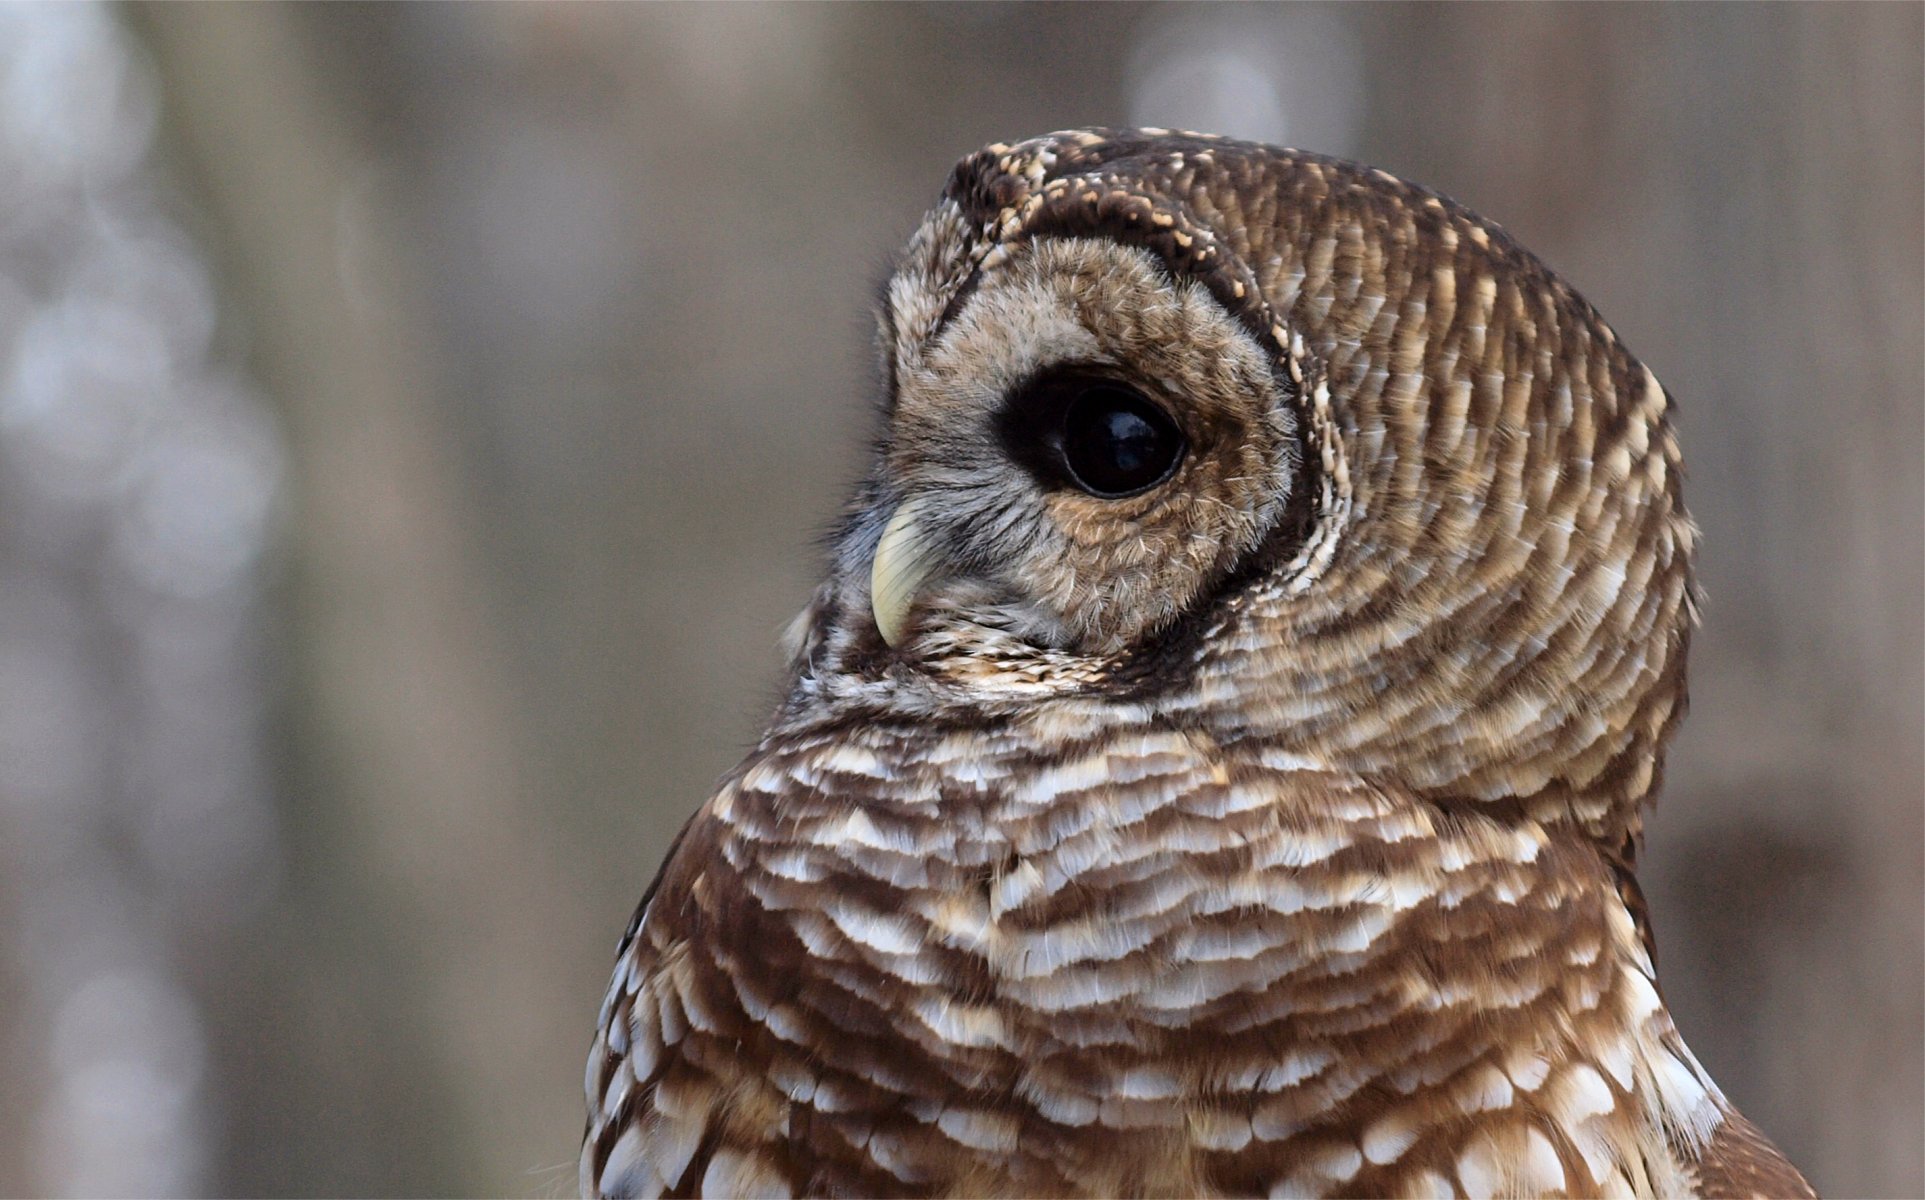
[[1147, 967]]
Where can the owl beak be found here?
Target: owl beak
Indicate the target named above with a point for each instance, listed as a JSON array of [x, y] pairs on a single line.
[[904, 561]]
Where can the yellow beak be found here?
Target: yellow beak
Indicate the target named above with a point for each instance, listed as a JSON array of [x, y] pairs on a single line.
[[903, 563]]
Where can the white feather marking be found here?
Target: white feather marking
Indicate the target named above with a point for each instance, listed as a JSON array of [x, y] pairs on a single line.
[[1454, 855], [796, 1083], [619, 1173], [668, 1144], [976, 1025], [1077, 775], [1359, 933], [1057, 1106], [1074, 989], [763, 778], [1273, 1123], [1407, 891], [1278, 759], [645, 1038], [794, 865], [856, 827], [1335, 1163], [994, 1133], [1243, 797], [1220, 945], [1298, 848], [1033, 956], [668, 1008], [850, 758], [1216, 1130], [1527, 843], [785, 1023], [1640, 998], [888, 1152], [1386, 1140], [886, 934], [960, 920], [1488, 1090], [1539, 1171], [1579, 1094], [1149, 1083], [832, 1095], [1584, 952], [1600, 1159], [1178, 991], [1689, 1104], [737, 1175], [817, 935], [620, 1083], [1480, 1169], [695, 1008], [1295, 1067], [1016, 888], [632, 966], [1615, 1058], [1527, 1069]]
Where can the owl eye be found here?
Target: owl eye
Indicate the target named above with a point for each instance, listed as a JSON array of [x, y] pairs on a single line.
[[1092, 432], [1116, 443]]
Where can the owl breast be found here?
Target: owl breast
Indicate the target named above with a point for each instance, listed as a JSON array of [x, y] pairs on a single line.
[[1136, 963]]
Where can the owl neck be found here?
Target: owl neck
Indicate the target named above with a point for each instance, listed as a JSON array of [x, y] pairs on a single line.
[[1338, 723]]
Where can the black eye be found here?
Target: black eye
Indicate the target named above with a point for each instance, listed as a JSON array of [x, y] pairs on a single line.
[[1084, 428], [1116, 443]]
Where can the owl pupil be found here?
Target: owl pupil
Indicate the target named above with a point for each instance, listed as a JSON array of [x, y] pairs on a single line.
[[1116, 443]]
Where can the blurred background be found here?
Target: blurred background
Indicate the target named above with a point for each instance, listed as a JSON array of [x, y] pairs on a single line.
[[416, 424]]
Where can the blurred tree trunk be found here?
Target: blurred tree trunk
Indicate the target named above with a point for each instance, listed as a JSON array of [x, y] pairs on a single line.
[[427, 860]]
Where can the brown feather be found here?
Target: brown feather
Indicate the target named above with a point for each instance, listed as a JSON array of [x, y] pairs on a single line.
[[1742, 1164]]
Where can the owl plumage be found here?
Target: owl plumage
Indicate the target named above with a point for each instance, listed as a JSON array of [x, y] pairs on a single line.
[[1215, 761]]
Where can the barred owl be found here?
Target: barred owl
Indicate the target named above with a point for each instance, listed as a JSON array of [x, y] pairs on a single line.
[[1215, 761]]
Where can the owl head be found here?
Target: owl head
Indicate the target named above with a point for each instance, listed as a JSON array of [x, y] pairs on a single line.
[[1273, 448]]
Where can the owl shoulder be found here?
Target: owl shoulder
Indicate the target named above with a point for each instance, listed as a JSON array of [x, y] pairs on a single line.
[[1740, 1163], [672, 1111]]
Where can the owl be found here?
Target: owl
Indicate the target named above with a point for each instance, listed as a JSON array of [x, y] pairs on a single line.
[[1214, 764]]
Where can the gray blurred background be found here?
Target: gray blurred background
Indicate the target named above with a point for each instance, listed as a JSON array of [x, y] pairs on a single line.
[[416, 423]]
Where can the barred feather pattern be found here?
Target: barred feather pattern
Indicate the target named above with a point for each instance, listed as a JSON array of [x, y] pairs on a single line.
[[1316, 880], [1134, 963]]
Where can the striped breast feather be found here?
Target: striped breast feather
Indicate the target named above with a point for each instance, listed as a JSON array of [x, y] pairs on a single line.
[[1138, 972], [670, 1111]]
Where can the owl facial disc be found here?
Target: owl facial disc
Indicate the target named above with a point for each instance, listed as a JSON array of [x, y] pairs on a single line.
[[1076, 459]]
